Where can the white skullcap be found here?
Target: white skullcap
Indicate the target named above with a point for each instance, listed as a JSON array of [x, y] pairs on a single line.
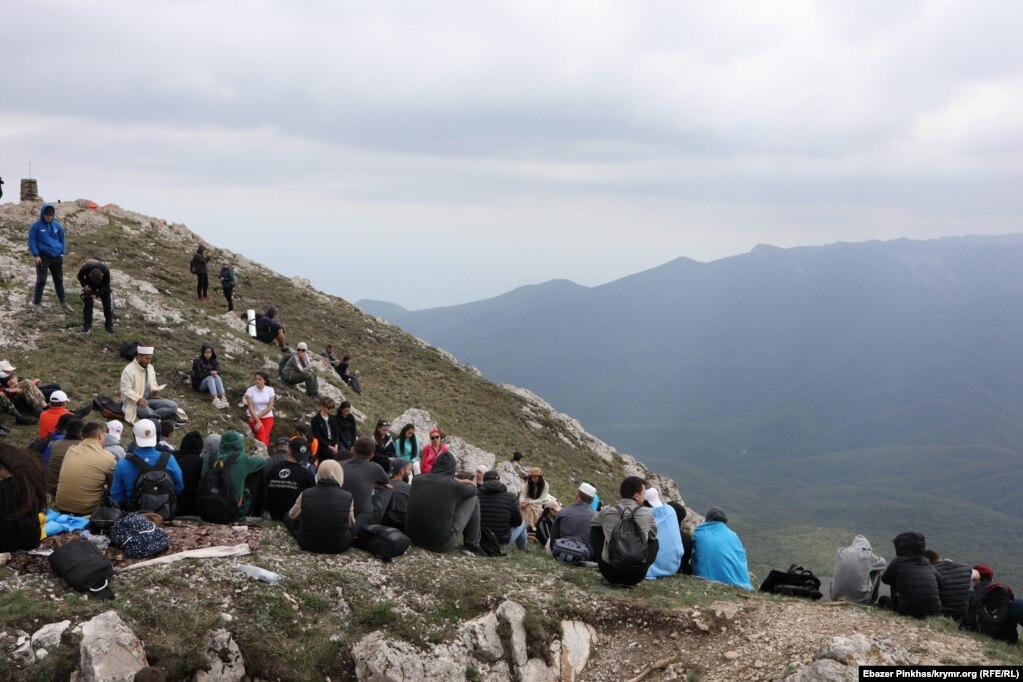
[[653, 498]]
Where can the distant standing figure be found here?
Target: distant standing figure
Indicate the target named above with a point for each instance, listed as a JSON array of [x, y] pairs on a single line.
[[259, 399], [46, 242], [227, 284], [95, 280], [198, 267]]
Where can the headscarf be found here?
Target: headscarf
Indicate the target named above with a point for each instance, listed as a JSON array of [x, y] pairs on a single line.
[[330, 470]]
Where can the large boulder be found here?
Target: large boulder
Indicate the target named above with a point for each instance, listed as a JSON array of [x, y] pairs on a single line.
[[110, 651]]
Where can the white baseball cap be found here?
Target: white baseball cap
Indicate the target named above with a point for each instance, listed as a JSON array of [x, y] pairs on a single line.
[[58, 397], [145, 433]]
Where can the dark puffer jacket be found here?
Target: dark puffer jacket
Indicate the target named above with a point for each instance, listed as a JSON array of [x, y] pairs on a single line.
[[323, 524], [499, 510], [916, 586], [955, 588]]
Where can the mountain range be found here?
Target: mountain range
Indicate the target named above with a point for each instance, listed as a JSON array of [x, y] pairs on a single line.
[[816, 391]]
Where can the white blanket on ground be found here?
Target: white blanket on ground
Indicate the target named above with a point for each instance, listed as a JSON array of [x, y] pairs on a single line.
[[218, 552]]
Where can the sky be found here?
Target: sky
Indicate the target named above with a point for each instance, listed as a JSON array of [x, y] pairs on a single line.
[[431, 154]]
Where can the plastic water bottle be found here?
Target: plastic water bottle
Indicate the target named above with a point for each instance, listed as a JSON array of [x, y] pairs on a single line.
[[260, 574]]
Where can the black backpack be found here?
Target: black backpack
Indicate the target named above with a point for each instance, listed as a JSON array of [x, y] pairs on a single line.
[[627, 548], [383, 542], [154, 488], [215, 498], [130, 350], [105, 515], [991, 613], [795, 582], [489, 544], [82, 566]]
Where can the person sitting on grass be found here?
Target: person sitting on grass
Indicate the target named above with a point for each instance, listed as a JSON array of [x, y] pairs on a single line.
[[718, 553], [58, 450], [324, 429], [533, 497], [499, 511], [669, 538], [286, 480], [574, 520], [602, 527], [232, 442], [442, 508], [857, 573], [322, 517], [362, 476], [298, 369], [22, 498], [269, 329], [125, 472], [407, 446], [205, 375], [347, 430], [86, 473], [259, 401], [916, 586]]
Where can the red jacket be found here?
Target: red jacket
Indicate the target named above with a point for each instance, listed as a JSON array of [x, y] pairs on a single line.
[[429, 455]]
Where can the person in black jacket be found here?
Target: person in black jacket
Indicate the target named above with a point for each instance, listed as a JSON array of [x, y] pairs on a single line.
[[22, 498], [323, 515], [347, 431], [385, 450], [916, 586], [442, 508], [227, 284], [955, 586], [396, 509], [324, 430], [199, 267], [95, 280], [270, 329], [190, 463], [499, 511], [205, 375]]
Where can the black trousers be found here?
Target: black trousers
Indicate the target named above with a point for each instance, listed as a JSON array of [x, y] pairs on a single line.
[[55, 266], [229, 295], [202, 284], [108, 308]]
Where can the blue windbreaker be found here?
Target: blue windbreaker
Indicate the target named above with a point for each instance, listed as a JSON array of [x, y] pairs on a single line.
[[125, 474], [718, 555], [46, 240]]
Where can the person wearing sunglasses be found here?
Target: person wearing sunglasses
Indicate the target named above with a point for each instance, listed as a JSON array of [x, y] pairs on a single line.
[[432, 451], [298, 369]]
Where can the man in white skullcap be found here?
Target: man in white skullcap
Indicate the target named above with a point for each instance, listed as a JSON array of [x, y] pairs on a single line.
[[139, 389], [574, 521]]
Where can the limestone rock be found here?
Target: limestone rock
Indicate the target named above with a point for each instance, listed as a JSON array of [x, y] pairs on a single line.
[[48, 636], [858, 649], [24, 655], [536, 670], [379, 659], [514, 615], [110, 651], [225, 662], [481, 638], [469, 456], [576, 638], [825, 670]]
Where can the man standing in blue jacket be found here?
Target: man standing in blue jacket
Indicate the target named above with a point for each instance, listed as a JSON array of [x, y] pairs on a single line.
[[125, 472], [46, 242]]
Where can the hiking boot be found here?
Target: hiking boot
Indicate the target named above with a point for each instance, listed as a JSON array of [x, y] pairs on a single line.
[[109, 328], [81, 412], [23, 419]]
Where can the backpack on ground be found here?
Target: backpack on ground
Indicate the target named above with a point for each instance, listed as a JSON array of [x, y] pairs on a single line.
[[105, 515], [215, 498], [109, 408], [154, 488], [795, 582], [570, 550], [627, 549], [138, 537], [383, 542], [82, 566], [490, 545], [129, 350], [991, 614]]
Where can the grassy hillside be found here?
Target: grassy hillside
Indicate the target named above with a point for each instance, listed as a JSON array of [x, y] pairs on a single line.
[[155, 303]]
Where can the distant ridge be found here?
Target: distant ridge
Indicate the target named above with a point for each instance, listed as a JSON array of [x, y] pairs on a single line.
[[852, 368]]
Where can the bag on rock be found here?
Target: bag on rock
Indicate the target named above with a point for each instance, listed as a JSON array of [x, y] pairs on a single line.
[[138, 537], [795, 582], [82, 566]]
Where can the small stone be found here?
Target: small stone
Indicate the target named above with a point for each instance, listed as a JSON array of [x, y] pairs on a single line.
[[731, 655], [758, 664], [41, 654], [226, 617]]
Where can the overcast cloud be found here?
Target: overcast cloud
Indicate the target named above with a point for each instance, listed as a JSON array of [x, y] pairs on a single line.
[[435, 153]]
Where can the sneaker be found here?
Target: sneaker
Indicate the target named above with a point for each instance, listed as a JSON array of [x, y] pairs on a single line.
[[109, 328], [86, 330], [473, 550], [65, 306], [37, 308]]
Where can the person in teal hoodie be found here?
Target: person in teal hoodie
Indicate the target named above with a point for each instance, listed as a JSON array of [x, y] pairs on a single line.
[[46, 242], [718, 553], [230, 443]]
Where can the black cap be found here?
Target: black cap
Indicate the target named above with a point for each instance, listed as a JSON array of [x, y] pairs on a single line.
[[299, 449]]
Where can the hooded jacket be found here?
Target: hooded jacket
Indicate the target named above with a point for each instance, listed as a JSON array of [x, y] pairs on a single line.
[[267, 326], [499, 511], [201, 367], [853, 566], [916, 586], [669, 550], [231, 442], [432, 502], [190, 463], [44, 239]]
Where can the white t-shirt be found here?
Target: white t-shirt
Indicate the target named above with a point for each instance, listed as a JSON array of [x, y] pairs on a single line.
[[260, 399]]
